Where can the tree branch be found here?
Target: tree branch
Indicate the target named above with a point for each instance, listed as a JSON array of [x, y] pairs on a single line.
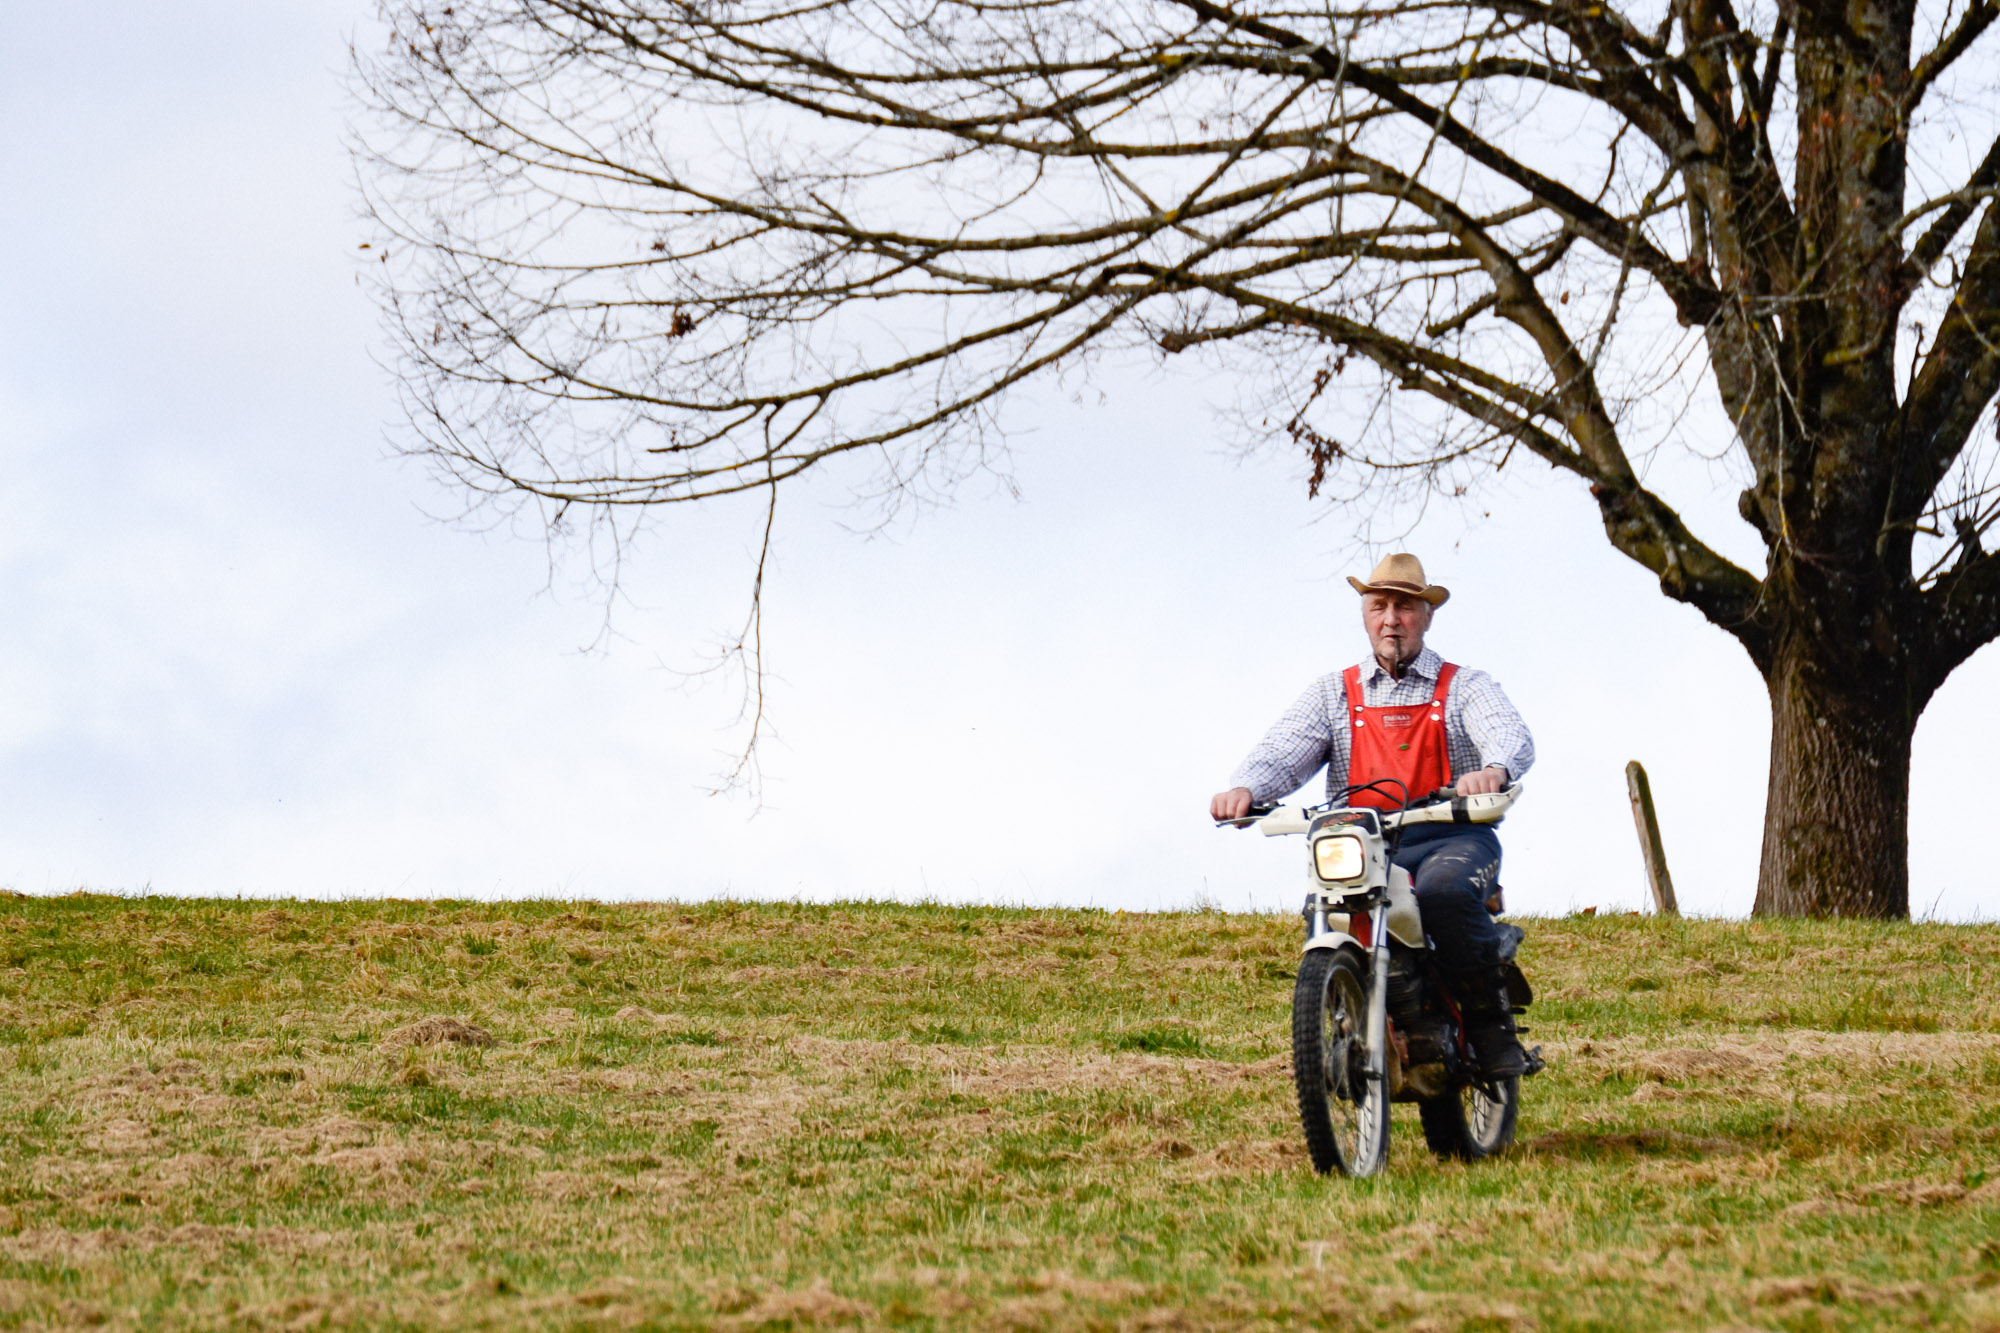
[[1959, 377], [1955, 44], [1931, 245], [1962, 614], [1644, 527], [1694, 300]]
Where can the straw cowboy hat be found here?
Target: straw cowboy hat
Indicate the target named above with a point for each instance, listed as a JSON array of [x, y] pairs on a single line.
[[1402, 573]]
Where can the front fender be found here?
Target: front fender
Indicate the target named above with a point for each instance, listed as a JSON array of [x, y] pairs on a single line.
[[1334, 939]]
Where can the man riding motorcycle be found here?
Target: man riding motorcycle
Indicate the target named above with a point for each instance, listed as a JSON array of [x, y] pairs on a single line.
[[1405, 714]]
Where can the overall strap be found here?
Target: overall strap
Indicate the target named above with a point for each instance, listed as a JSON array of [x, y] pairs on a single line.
[[1445, 673], [1353, 678]]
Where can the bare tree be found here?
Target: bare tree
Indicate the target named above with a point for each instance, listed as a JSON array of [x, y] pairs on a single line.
[[648, 252]]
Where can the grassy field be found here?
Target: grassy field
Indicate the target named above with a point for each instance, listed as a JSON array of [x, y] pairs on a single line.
[[414, 1115]]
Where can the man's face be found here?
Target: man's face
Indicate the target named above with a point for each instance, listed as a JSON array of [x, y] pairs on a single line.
[[1396, 625]]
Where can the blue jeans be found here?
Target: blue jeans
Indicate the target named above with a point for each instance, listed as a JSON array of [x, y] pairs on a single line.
[[1455, 869]]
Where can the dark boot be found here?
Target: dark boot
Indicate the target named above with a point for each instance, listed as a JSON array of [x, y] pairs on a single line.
[[1489, 1026]]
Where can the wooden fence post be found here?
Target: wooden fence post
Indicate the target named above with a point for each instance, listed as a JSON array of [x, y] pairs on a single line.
[[1650, 846]]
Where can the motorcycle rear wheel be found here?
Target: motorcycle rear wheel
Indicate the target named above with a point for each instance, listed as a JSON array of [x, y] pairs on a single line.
[[1471, 1123], [1345, 1114]]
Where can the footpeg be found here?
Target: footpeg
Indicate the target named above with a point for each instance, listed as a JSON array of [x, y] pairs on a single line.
[[1535, 1063]]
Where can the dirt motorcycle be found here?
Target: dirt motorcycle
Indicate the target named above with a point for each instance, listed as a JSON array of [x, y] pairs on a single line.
[[1373, 1021]]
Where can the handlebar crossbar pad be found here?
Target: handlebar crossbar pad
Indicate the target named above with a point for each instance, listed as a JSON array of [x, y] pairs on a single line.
[[1484, 808]]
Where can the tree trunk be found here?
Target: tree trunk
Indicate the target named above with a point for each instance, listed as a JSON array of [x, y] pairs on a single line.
[[1836, 820]]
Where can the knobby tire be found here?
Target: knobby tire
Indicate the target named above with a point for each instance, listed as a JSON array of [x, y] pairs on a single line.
[[1469, 1124], [1329, 1041]]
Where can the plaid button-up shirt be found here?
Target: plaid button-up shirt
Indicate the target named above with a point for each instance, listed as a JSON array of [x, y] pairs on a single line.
[[1480, 728]]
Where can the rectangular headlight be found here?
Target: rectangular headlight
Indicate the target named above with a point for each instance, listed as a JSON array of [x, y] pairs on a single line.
[[1339, 857]]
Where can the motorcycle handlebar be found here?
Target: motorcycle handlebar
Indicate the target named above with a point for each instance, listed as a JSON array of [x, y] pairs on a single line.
[[1444, 805]]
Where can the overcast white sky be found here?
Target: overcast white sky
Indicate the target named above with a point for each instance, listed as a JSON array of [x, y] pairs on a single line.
[[240, 659]]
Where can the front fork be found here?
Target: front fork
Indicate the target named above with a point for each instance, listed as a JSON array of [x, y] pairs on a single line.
[[1378, 996], [1375, 1038]]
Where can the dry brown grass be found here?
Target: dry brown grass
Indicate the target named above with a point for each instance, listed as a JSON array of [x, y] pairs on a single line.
[[405, 1115], [431, 1031]]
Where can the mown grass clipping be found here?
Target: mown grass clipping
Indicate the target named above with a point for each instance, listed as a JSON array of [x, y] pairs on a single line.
[[572, 1116]]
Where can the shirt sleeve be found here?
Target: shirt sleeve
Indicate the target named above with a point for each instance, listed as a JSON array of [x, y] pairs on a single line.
[[1294, 749], [1488, 720]]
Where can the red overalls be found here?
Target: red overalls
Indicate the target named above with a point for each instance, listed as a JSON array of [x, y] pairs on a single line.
[[1405, 742]]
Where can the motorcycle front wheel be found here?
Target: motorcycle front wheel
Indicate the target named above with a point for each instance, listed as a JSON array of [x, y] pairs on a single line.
[[1345, 1113], [1467, 1124]]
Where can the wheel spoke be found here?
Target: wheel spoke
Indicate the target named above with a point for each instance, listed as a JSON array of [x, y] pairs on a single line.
[[1342, 1108], [1343, 1014]]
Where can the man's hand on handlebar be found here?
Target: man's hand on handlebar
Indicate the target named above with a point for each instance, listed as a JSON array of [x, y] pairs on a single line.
[[1233, 804], [1479, 782]]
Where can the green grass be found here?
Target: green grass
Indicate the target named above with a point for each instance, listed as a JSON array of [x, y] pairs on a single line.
[[214, 1114]]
